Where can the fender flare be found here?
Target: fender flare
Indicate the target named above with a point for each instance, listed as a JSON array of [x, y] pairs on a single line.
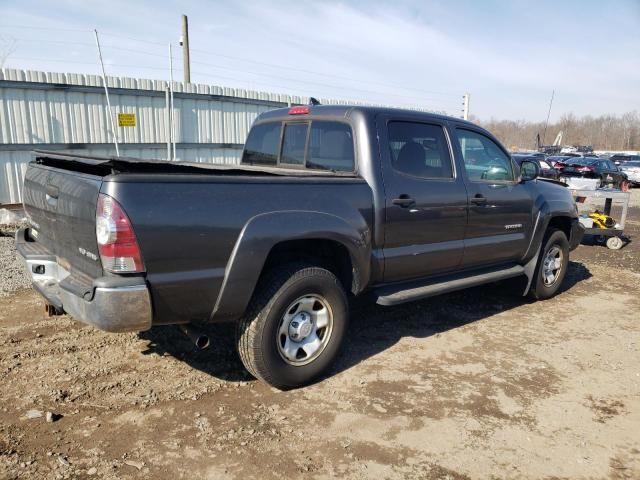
[[546, 211], [263, 232]]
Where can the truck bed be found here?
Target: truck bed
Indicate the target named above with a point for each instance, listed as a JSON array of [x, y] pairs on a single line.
[[187, 218], [104, 166]]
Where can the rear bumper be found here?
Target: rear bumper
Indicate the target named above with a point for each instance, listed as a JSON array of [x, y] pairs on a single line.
[[577, 233], [114, 304]]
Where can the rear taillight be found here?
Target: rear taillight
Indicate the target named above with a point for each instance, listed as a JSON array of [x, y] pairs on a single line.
[[117, 242]]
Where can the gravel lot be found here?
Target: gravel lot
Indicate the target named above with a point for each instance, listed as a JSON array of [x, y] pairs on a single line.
[[13, 276], [475, 384]]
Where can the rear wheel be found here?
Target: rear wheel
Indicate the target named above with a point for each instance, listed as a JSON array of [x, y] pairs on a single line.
[[552, 265], [294, 326]]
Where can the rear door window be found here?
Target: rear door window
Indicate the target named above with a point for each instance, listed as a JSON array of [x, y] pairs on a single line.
[[331, 147], [263, 145], [294, 143], [420, 150]]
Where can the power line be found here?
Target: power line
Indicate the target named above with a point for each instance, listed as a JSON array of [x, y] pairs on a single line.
[[313, 72], [297, 81], [32, 27], [326, 85], [237, 59], [146, 67], [287, 88], [215, 66]]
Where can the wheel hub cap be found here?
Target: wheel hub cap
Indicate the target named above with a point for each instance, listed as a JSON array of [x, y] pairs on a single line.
[[300, 327], [305, 330], [552, 266]]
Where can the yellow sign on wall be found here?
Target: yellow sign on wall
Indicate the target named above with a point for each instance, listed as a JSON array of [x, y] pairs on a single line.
[[126, 119]]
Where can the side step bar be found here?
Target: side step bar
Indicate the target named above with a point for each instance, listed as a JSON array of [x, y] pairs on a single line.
[[415, 290]]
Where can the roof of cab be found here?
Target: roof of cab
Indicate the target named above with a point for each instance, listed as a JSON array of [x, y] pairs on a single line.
[[346, 111]]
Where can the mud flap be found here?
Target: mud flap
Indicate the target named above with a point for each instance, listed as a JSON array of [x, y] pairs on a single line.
[[529, 271]]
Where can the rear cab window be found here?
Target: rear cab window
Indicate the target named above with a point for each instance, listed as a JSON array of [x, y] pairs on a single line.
[[294, 143], [263, 145], [315, 145]]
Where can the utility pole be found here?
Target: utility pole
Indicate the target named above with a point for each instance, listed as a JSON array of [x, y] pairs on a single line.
[[465, 106], [184, 41], [546, 124]]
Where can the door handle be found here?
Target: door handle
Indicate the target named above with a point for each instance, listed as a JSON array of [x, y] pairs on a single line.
[[479, 199], [403, 201], [52, 191], [51, 195]]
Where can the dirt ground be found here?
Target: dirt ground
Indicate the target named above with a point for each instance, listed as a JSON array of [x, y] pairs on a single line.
[[476, 384]]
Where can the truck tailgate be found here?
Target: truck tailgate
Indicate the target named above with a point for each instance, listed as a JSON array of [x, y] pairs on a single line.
[[62, 207]]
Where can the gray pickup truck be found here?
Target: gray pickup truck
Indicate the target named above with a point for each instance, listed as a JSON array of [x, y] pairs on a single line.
[[328, 202]]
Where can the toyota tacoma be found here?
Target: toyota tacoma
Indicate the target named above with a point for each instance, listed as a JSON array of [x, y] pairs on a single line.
[[328, 202]]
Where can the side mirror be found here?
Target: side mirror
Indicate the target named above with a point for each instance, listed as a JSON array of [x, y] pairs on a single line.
[[529, 170]]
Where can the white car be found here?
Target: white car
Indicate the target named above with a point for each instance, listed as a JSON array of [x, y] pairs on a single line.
[[632, 170]]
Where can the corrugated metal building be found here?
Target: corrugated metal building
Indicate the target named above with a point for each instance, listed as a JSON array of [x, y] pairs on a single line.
[[68, 112]]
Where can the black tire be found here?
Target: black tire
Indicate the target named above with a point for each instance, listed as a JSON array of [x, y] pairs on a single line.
[[257, 331], [541, 290]]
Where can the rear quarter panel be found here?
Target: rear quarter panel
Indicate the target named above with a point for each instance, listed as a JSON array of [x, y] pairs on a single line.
[[188, 225]]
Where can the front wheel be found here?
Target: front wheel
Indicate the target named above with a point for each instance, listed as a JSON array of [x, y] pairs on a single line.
[[294, 326], [552, 265]]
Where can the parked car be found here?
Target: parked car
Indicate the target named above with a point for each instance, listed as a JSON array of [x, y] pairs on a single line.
[[546, 169], [328, 202], [568, 160], [553, 159], [620, 159], [632, 170], [604, 170]]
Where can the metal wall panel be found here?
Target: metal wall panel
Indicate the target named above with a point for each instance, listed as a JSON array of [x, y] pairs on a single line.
[[44, 108], [39, 109]]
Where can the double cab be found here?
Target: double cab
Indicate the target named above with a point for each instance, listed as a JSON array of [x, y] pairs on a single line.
[[327, 203]]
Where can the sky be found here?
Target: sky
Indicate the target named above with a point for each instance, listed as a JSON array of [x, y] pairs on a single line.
[[508, 55]]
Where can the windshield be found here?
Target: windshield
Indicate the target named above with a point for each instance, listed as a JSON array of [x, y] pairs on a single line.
[[583, 161]]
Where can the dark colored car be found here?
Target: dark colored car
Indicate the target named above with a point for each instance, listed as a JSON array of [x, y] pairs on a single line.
[[560, 165], [546, 169], [328, 202], [604, 170], [553, 159]]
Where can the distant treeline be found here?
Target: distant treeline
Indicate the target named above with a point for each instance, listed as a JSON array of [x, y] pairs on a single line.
[[606, 132]]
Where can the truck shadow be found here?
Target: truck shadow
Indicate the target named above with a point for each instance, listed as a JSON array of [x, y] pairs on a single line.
[[373, 329]]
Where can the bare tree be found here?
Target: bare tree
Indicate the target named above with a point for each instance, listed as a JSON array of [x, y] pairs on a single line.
[[606, 132], [7, 47]]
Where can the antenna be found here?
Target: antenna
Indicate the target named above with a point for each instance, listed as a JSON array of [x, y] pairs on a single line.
[[114, 132], [171, 136]]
